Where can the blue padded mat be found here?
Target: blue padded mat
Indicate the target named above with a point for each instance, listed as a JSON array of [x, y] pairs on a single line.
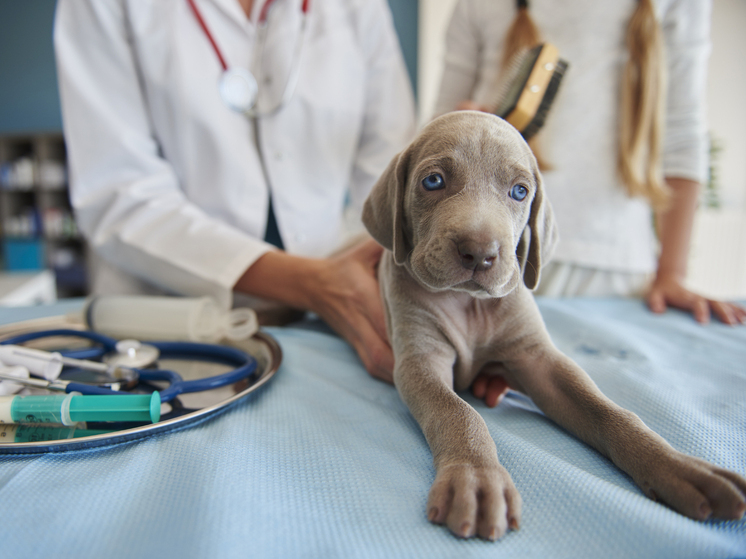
[[326, 462]]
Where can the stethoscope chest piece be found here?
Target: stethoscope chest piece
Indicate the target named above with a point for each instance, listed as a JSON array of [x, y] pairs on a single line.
[[132, 353], [237, 86], [238, 89]]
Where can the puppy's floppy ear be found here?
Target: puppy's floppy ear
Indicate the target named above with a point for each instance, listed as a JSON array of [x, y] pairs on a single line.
[[383, 212], [539, 237]]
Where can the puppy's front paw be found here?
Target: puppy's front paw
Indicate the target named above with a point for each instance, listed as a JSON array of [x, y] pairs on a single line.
[[696, 488], [475, 500]]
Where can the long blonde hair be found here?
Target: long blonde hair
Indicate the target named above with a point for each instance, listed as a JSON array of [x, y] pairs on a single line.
[[642, 106]]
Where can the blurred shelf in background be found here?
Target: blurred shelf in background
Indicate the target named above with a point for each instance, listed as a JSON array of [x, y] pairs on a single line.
[[37, 228]]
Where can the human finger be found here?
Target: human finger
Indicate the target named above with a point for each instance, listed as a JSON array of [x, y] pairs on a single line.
[[724, 312], [368, 254], [496, 389], [479, 386], [728, 313], [356, 327], [701, 310], [468, 105], [373, 350], [740, 313], [371, 250], [656, 302]]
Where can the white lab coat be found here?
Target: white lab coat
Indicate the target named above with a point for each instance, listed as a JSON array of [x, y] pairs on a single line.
[[167, 182]]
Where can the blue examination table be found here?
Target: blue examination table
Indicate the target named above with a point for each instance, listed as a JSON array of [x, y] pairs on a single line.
[[326, 462]]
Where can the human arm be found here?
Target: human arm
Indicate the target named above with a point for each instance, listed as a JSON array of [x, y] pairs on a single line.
[[342, 290], [686, 28], [674, 226]]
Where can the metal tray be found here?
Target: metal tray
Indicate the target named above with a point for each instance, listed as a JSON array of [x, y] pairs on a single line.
[[192, 408]]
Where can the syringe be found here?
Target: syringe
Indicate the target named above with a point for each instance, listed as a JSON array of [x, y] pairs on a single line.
[[69, 409]]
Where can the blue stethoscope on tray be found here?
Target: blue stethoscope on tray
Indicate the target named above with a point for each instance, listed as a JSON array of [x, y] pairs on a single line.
[[117, 369], [237, 86]]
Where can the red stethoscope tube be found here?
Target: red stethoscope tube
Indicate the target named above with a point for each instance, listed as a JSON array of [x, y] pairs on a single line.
[[203, 25], [262, 21]]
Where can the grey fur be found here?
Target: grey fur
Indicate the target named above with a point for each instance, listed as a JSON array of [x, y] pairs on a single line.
[[447, 321]]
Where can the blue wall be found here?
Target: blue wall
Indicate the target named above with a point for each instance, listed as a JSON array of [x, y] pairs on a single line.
[[406, 14], [28, 81]]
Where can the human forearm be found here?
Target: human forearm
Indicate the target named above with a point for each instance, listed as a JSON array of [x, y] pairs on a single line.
[[281, 277], [675, 225]]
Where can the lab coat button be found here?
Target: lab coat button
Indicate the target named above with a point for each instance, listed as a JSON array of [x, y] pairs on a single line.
[[279, 156], [300, 237]]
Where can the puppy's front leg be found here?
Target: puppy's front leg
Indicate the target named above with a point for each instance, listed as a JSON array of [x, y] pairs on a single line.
[[687, 484], [472, 492]]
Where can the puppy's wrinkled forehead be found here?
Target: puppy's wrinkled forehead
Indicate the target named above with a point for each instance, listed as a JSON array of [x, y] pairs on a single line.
[[473, 136]]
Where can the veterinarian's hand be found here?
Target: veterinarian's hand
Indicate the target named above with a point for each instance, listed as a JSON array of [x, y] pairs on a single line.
[[342, 290], [490, 388], [349, 300], [667, 290]]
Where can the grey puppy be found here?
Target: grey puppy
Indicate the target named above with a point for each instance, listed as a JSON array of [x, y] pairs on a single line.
[[466, 223]]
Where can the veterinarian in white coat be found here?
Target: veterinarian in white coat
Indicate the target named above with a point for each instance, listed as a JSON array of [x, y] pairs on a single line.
[[172, 188]]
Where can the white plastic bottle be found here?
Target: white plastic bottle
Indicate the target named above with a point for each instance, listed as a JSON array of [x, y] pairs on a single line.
[[141, 317]]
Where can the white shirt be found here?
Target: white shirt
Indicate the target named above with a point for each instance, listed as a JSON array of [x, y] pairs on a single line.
[[167, 182], [599, 225]]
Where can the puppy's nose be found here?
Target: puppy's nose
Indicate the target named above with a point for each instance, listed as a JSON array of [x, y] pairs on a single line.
[[477, 256]]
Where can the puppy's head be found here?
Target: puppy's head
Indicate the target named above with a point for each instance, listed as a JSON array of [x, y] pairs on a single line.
[[463, 207]]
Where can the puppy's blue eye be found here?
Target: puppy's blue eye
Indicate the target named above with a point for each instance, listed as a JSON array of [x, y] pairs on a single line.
[[518, 192], [433, 182]]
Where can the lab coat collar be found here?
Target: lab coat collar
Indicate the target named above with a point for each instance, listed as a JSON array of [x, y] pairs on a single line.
[[233, 9]]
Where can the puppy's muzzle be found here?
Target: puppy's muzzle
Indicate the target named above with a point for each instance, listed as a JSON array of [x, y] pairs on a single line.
[[477, 256]]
